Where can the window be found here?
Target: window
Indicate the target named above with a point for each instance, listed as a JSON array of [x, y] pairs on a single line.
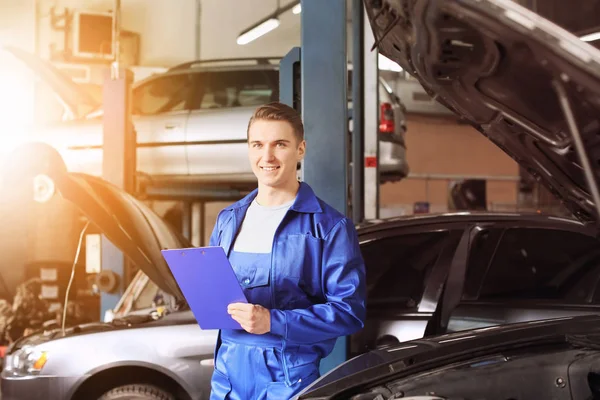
[[228, 89], [542, 264], [161, 95], [398, 267], [481, 248]]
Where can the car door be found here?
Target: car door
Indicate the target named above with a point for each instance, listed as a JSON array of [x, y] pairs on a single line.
[[527, 274], [223, 104], [160, 109], [405, 273]]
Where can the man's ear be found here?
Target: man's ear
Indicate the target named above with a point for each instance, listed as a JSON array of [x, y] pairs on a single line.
[[301, 150]]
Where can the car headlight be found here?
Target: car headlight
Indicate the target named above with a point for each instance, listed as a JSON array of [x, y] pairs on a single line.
[[25, 361]]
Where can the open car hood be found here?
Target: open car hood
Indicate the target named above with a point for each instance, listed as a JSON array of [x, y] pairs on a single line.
[[76, 99], [128, 223], [510, 73]]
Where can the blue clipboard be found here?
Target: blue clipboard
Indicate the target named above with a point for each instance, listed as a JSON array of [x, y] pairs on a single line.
[[208, 283]]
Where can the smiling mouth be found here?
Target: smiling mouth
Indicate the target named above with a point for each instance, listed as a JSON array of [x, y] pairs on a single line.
[[269, 169]]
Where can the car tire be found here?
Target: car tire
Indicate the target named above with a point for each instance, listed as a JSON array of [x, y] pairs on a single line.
[[137, 392]]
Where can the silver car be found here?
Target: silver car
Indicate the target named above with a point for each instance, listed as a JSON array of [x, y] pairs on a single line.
[[155, 355], [191, 121]]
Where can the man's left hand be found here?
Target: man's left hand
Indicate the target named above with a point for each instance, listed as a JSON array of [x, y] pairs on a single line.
[[253, 318]]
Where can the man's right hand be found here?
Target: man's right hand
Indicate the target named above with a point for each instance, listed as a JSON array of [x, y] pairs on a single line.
[[253, 318]]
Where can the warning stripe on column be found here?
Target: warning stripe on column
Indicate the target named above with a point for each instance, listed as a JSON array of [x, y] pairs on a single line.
[[370, 162]]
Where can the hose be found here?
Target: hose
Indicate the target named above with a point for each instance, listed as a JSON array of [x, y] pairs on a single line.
[[66, 302]]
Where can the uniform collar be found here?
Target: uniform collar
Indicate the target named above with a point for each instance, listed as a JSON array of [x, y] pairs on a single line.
[[306, 200]]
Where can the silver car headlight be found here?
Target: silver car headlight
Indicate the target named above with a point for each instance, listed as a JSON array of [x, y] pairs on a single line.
[[26, 361]]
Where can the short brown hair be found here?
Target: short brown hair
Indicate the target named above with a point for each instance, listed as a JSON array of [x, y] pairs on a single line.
[[279, 112]]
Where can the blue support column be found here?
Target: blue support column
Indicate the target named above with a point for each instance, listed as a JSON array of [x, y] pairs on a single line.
[[118, 165], [111, 260], [324, 111], [289, 72]]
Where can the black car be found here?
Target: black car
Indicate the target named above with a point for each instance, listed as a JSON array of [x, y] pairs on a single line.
[[435, 274], [533, 89]]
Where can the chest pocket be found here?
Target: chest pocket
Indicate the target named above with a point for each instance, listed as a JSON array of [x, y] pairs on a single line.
[[254, 281], [253, 276], [301, 257]]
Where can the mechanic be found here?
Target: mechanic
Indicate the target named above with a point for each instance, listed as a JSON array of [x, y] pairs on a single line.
[[299, 263]]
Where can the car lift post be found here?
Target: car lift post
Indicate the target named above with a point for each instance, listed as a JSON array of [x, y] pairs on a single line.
[[118, 155], [371, 125], [118, 165], [358, 106], [324, 111]]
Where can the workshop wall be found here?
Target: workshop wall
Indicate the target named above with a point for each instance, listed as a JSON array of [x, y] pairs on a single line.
[[17, 23], [167, 32], [17, 28], [173, 32], [442, 146]]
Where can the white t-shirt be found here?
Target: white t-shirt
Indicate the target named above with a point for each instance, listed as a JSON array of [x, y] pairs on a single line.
[[258, 228]]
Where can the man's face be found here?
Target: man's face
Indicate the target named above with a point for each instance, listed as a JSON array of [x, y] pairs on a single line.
[[274, 152]]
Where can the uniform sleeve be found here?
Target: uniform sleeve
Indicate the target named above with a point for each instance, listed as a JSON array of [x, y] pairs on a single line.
[[343, 277], [214, 237]]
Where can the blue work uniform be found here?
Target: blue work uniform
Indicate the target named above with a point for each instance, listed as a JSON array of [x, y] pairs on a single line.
[[313, 283]]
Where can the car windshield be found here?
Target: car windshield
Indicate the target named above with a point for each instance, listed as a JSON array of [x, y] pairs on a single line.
[[537, 264], [236, 88]]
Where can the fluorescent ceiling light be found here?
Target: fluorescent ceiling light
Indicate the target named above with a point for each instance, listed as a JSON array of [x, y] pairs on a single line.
[[297, 9], [591, 37], [257, 31], [386, 64]]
